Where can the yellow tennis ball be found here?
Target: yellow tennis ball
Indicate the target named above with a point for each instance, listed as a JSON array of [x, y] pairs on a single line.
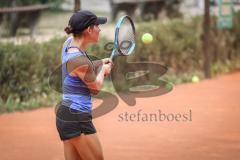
[[147, 38], [195, 79]]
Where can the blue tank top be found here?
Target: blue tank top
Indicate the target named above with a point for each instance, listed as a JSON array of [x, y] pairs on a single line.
[[76, 94]]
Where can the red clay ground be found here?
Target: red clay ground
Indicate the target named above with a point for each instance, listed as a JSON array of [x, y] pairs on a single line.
[[213, 133]]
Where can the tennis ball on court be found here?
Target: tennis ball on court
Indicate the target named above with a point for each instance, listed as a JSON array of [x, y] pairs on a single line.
[[195, 79], [147, 38]]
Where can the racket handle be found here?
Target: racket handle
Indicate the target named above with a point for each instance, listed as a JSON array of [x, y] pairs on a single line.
[[113, 54]]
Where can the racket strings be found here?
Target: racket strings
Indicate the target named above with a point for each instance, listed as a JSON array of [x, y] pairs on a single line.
[[126, 37]]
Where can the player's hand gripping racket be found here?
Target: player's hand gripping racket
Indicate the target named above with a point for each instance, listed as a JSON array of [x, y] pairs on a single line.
[[124, 42]]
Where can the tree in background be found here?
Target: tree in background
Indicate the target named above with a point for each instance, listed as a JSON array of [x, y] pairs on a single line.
[[206, 40], [77, 5]]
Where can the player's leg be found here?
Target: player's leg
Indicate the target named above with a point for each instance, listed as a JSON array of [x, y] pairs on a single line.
[[70, 152], [88, 147]]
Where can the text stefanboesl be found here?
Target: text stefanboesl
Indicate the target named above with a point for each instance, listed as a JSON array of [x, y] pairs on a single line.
[[157, 116]]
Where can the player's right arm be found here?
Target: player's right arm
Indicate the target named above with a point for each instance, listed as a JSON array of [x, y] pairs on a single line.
[[83, 68]]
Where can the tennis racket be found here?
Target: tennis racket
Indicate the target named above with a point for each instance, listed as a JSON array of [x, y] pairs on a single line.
[[125, 35]]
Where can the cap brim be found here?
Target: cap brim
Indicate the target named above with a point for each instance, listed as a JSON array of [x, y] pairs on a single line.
[[101, 20]]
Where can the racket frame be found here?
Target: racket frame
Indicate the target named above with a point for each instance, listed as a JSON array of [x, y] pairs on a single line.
[[117, 46]]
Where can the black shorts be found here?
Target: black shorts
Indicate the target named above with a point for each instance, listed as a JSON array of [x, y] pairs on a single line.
[[71, 123]]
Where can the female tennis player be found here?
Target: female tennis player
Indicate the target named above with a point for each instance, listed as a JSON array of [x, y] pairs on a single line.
[[81, 78]]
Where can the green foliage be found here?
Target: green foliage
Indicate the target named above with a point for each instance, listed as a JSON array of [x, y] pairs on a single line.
[[4, 3], [175, 44], [30, 2], [43, 100], [225, 46], [24, 71]]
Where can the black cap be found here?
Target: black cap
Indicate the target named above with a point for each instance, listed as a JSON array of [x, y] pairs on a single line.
[[83, 19]]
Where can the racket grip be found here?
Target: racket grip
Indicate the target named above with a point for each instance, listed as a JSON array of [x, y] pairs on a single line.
[[112, 55]]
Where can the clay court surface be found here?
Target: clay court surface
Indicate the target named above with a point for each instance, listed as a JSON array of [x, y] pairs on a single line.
[[213, 133]]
